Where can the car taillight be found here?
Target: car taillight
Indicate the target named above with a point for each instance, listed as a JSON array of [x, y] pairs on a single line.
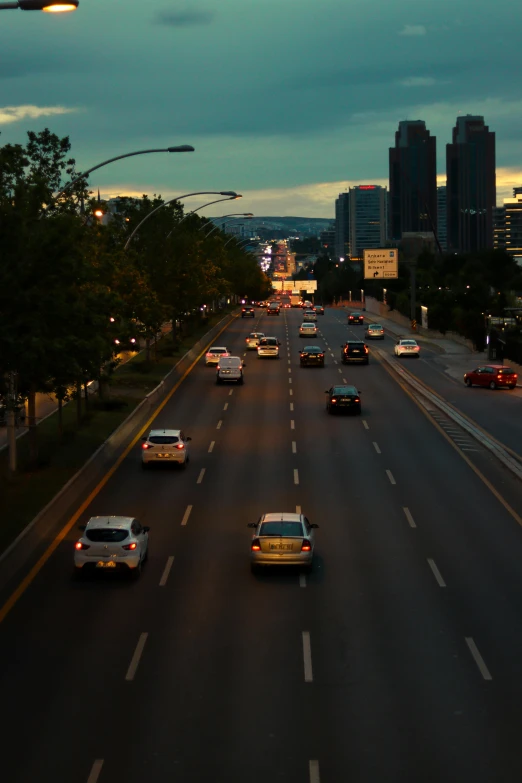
[[130, 546], [218, 368], [333, 399], [365, 349], [180, 446], [256, 546], [146, 446], [305, 546], [80, 545], [320, 355], [356, 399]]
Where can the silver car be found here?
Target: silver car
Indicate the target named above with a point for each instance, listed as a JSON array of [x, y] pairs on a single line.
[[282, 539], [214, 354], [252, 341], [307, 329], [268, 348], [112, 544], [310, 315], [230, 369], [375, 332], [167, 447]]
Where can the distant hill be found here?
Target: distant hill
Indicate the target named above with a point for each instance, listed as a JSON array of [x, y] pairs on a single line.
[[292, 222]]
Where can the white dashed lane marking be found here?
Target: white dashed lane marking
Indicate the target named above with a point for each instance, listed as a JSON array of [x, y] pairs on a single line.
[[376, 447], [296, 476], [436, 573], [135, 660], [225, 406], [95, 771], [291, 406], [409, 517], [186, 516], [166, 571], [313, 769], [211, 447], [294, 447], [292, 424], [477, 657], [390, 476], [201, 474], [365, 423], [307, 657], [219, 424]]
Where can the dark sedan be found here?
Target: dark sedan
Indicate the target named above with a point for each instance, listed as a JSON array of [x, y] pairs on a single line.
[[311, 356], [355, 318], [319, 309], [343, 399]]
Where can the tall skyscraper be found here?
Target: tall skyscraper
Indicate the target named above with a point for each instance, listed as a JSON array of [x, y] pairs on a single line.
[[368, 218], [442, 226], [342, 225], [413, 180], [507, 226], [471, 183]]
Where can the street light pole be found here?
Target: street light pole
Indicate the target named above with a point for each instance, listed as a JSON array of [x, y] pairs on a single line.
[[181, 148], [239, 241], [230, 193], [234, 215], [53, 6], [208, 204]]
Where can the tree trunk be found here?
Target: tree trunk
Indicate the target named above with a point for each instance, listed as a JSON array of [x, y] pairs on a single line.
[[86, 392], [78, 402], [31, 422], [60, 418]]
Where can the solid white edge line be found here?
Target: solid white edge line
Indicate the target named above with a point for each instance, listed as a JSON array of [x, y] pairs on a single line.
[[477, 657], [96, 768], [365, 423], [225, 406], [313, 768], [131, 671], [302, 580], [409, 517], [292, 424], [296, 476], [220, 422], [390, 476], [376, 447], [186, 515], [307, 657], [166, 571], [436, 573], [294, 447], [298, 509], [201, 474], [211, 447]]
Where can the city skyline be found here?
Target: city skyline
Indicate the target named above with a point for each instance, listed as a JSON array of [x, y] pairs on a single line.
[[269, 113]]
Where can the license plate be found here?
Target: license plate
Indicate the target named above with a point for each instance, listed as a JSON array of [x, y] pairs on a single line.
[[279, 547], [357, 352], [106, 564]]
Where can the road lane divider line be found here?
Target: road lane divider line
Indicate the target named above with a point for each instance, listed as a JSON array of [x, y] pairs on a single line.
[[344, 380], [390, 476], [313, 769], [365, 423], [302, 580], [290, 391], [220, 422], [289, 369], [289, 380], [296, 476], [376, 447], [94, 774], [211, 447], [201, 474], [35, 570], [166, 571], [292, 424], [133, 666], [225, 406], [186, 516], [307, 657], [298, 509], [339, 370], [335, 361], [477, 657], [231, 392], [436, 573], [409, 517], [291, 406], [294, 447]]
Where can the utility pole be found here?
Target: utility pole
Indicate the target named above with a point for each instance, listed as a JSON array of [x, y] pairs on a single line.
[[413, 299], [11, 423]]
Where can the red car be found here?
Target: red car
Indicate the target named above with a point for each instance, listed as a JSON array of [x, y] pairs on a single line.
[[492, 376]]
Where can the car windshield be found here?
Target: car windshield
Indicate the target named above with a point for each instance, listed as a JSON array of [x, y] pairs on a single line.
[[281, 529], [106, 535], [163, 439]]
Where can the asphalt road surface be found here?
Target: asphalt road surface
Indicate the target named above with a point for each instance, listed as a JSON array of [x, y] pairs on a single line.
[[398, 660]]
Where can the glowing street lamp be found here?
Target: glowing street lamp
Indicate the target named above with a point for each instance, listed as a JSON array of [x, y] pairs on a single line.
[[51, 6]]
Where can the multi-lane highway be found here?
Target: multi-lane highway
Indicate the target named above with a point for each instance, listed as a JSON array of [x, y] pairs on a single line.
[[398, 659]]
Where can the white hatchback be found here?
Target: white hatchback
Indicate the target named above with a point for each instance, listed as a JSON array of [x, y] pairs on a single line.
[[165, 447], [230, 369], [268, 348], [309, 316], [407, 348], [214, 354], [112, 544], [307, 329], [252, 341]]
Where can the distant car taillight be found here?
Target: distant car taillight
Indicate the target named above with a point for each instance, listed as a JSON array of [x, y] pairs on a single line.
[[80, 545], [333, 399], [256, 546], [180, 446], [305, 546], [130, 546], [365, 349], [356, 399]]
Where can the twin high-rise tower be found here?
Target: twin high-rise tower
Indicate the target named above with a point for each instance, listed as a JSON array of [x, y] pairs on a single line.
[[470, 187]]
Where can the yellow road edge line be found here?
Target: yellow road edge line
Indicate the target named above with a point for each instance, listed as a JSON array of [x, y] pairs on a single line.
[[35, 570], [466, 459]]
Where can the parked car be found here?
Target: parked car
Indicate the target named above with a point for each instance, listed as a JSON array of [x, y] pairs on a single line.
[[492, 375]]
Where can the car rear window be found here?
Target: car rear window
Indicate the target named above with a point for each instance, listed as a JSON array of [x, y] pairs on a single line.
[[505, 371], [163, 439], [408, 342], [269, 341], [281, 529], [232, 361], [218, 350], [106, 535], [357, 346]]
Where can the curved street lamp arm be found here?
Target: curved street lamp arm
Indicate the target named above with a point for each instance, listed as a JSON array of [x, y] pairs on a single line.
[[182, 148], [178, 198], [208, 204], [233, 215], [239, 241]]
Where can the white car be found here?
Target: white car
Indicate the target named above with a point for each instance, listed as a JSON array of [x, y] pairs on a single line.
[[252, 341], [268, 348], [230, 368], [165, 446], [407, 348], [307, 329], [214, 354], [309, 316], [112, 544]]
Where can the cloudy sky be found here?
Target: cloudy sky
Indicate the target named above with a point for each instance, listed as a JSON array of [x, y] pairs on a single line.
[[285, 101]]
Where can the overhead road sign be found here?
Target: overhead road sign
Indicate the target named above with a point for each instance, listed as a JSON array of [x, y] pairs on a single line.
[[381, 263]]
